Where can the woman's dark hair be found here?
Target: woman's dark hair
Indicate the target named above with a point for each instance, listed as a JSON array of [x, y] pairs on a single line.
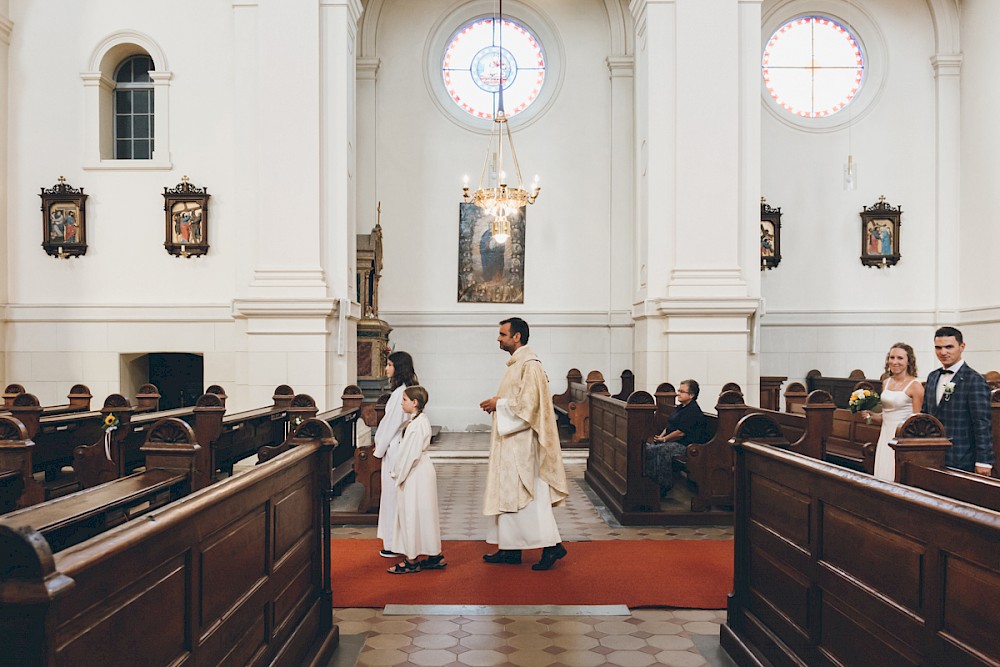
[[403, 373], [418, 394]]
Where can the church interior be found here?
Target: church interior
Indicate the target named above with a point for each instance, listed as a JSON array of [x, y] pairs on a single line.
[[762, 195]]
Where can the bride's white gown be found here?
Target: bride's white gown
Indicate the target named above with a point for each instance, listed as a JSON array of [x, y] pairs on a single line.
[[896, 407]]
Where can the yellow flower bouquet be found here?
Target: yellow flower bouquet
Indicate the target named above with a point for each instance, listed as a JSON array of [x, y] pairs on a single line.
[[864, 399]]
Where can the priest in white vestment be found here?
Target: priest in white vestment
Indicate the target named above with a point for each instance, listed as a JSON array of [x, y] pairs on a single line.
[[526, 477]]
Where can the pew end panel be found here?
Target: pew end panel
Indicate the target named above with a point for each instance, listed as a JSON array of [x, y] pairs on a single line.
[[147, 398], [628, 385], [19, 486], [238, 573], [710, 464], [833, 566], [615, 464]]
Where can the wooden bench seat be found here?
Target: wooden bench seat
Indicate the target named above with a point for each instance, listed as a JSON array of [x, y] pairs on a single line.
[[573, 405], [236, 573], [833, 566], [172, 472]]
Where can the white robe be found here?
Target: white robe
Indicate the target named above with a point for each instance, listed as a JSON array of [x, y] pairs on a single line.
[[418, 526], [387, 436], [526, 476]]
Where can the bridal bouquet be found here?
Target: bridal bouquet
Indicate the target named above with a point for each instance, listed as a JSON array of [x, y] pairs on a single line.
[[863, 399]]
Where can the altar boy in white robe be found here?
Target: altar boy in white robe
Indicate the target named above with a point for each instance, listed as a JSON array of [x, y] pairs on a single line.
[[417, 531], [526, 477]]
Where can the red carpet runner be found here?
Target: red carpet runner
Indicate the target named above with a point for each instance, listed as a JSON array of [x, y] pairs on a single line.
[[693, 574]]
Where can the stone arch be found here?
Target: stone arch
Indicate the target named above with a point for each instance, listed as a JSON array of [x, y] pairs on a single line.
[[118, 45], [947, 29]]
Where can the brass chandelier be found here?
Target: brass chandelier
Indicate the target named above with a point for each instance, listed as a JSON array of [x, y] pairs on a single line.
[[494, 194]]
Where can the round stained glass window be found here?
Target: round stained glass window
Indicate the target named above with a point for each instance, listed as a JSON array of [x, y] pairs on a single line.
[[813, 67], [477, 62]]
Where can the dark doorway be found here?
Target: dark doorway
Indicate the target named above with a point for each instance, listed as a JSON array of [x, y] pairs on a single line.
[[179, 376]]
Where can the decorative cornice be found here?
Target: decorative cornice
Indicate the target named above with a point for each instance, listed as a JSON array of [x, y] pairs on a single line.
[[278, 307], [947, 64], [6, 28], [367, 68], [621, 66], [127, 312]]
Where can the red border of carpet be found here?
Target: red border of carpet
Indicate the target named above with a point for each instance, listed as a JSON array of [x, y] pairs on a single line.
[[689, 574]]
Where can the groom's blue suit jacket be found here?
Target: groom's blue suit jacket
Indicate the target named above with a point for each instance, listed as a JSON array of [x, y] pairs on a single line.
[[965, 415]]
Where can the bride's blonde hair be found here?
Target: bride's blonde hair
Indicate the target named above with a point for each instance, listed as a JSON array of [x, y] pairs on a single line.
[[911, 359]]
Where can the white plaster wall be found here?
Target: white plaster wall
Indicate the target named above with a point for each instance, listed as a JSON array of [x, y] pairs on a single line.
[[572, 249], [980, 239], [824, 309], [70, 319], [459, 361]]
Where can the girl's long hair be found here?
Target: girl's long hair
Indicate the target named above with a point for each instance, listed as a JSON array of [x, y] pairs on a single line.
[[403, 372]]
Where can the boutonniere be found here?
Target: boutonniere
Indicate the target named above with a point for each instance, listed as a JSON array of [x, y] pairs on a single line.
[[949, 389]]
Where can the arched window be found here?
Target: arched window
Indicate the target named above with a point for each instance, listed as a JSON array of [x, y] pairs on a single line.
[[133, 109]]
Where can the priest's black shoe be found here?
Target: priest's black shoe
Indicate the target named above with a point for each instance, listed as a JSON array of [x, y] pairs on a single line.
[[549, 557], [507, 556]]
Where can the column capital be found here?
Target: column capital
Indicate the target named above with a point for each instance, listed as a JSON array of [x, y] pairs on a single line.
[[353, 7], [368, 68], [947, 64], [621, 66]]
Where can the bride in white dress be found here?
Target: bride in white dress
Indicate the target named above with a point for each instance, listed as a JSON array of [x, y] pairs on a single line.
[[902, 395]]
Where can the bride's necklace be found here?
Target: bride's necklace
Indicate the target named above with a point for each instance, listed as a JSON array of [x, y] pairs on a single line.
[[899, 383]]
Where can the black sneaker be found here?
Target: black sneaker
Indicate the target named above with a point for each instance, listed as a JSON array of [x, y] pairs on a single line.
[[388, 554]]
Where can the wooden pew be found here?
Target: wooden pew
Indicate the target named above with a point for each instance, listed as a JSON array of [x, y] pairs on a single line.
[[839, 388], [573, 407], [18, 487], [836, 567], [171, 472], [920, 447], [628, 385], [770, 391], [236, 573], [795, 396], [561, 401], [615, 466], [79, 400]]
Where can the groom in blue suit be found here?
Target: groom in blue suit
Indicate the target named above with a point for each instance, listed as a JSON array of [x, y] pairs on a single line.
[[960, 398]]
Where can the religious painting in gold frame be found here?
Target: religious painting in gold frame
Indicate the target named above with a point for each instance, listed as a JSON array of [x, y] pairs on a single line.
[[186, 209], [880, 224], [64, 220], [489, 271], [770, 235]]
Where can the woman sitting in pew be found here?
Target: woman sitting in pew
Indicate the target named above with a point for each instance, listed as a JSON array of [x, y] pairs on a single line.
[[686, 425], [902, 395], [418, 527]]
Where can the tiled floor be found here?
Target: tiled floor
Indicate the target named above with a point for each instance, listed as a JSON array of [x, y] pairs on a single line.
[[470, 636]]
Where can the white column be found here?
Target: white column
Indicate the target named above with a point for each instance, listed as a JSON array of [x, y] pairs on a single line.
[[621, 70], [698, 180], [367, 179], [948, 208], [338, 191], [285, 305], [6, 28]]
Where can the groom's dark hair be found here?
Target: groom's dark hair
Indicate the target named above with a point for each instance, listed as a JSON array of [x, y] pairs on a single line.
[[944, 332]]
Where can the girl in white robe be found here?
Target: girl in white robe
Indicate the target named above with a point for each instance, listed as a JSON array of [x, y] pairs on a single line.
[[399, 369], [418, 526]]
